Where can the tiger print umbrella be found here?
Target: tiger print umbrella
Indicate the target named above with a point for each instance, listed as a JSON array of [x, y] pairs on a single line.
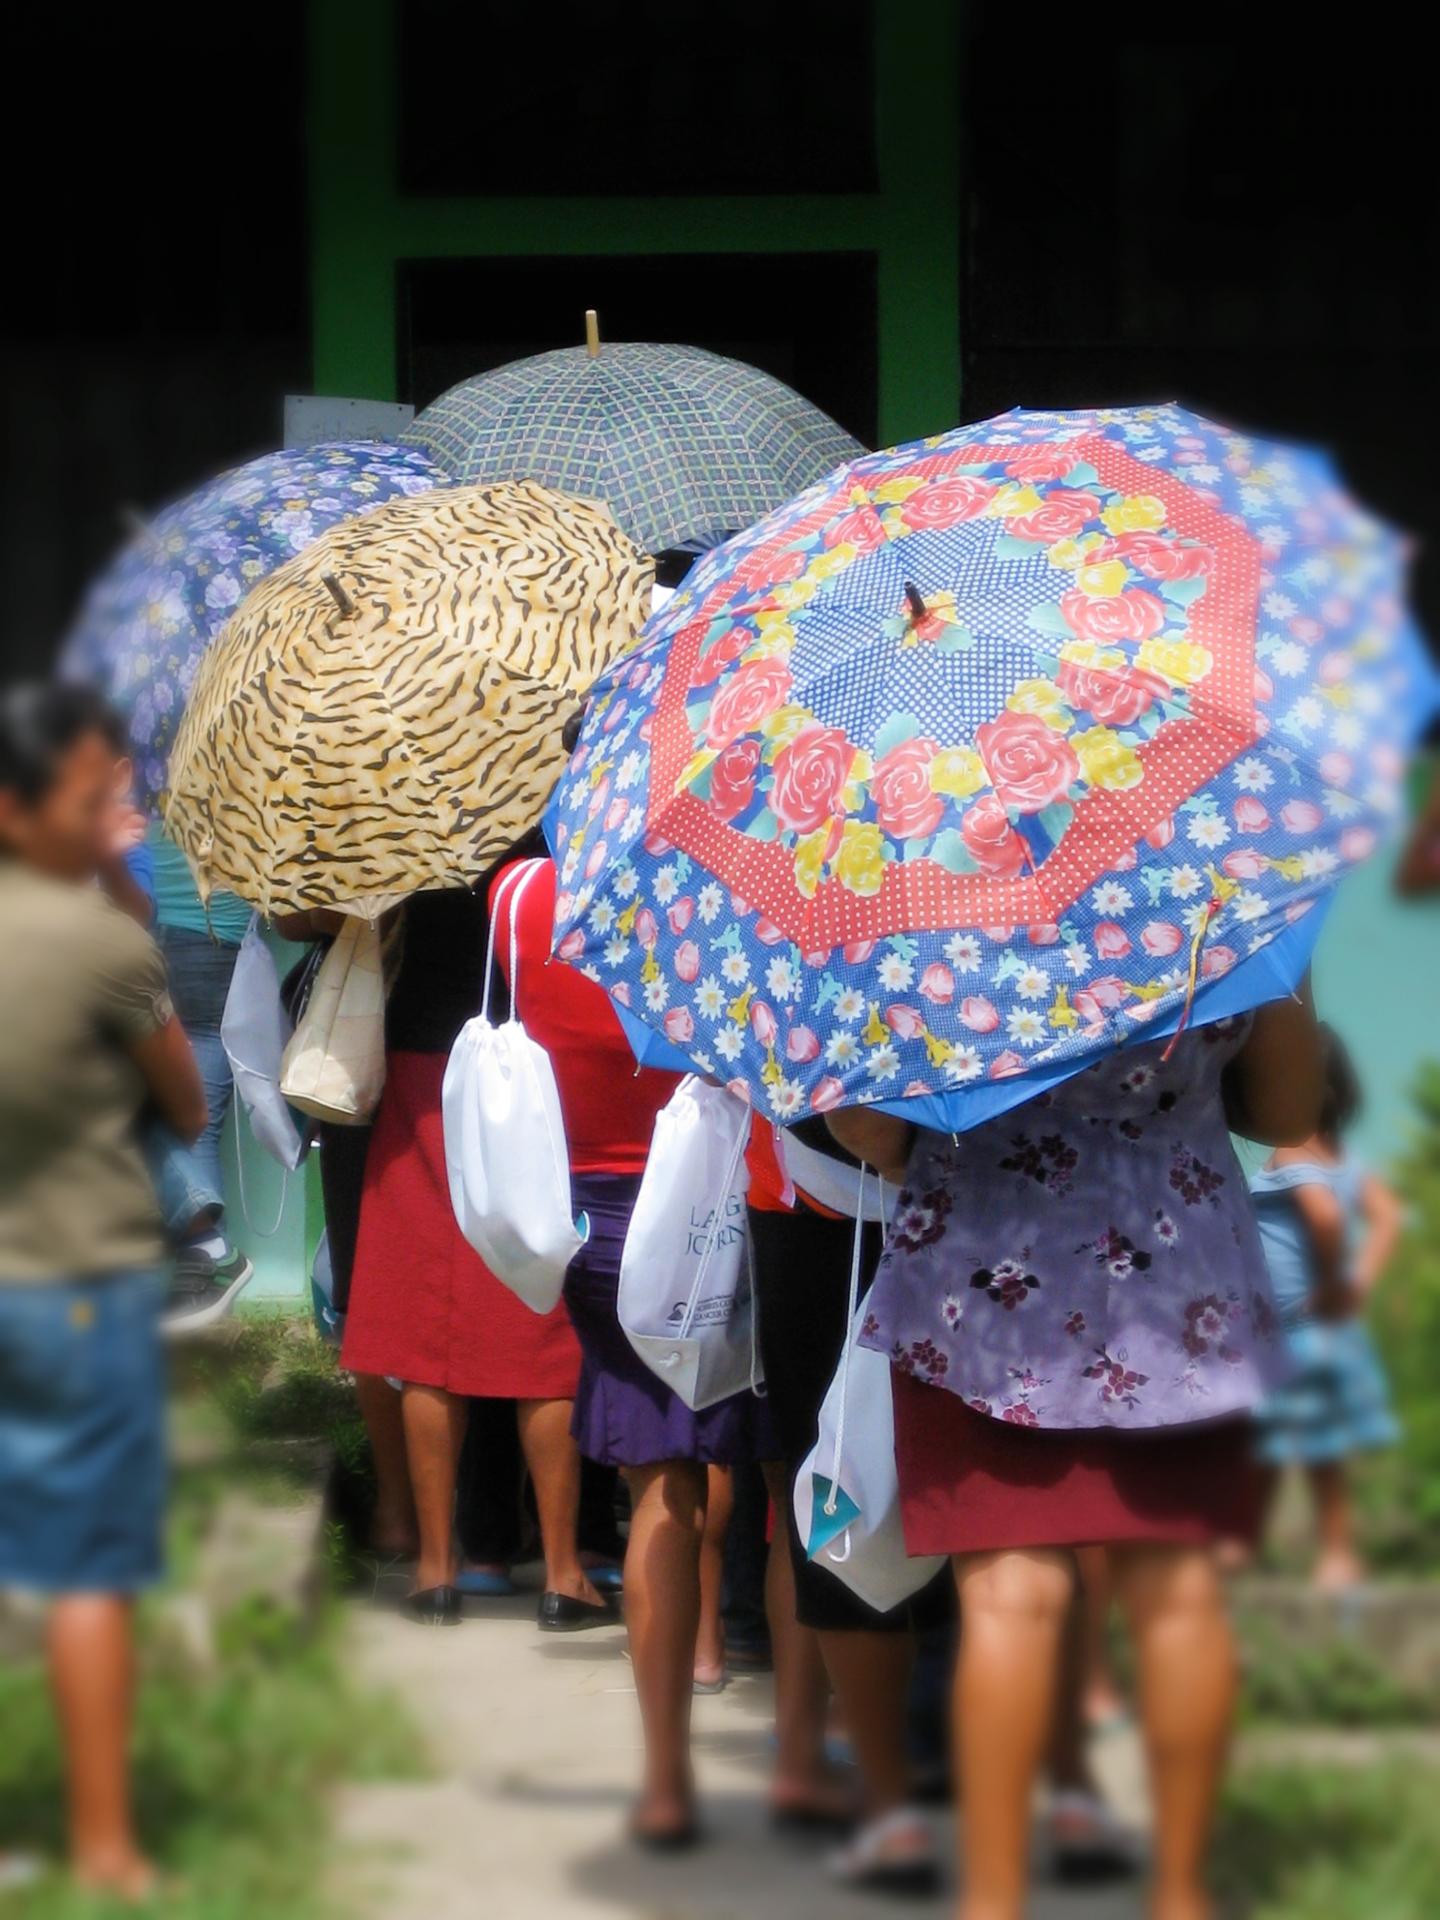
[[384, 713]]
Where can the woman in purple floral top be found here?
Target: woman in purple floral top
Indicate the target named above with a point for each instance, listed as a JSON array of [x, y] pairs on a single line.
[[1082, 1281]]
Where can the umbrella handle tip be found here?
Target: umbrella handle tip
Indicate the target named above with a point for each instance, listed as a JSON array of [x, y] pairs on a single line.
[[337, 593]]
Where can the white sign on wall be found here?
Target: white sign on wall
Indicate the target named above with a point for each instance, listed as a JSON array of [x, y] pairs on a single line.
[[313, 417]]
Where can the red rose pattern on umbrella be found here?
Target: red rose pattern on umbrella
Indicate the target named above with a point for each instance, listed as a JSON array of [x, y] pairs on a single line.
[[1016, 704]]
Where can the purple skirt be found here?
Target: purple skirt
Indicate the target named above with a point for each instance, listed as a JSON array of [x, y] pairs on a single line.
[[625, 1416]]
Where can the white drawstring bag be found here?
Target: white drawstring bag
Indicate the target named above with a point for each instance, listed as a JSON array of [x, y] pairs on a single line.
[[505, 1147], [685, 1302], [254, 1029], [836, 1184], [847, 1492], [334, 1066]]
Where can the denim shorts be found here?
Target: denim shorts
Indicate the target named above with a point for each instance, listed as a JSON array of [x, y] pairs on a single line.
[[82, 1434]]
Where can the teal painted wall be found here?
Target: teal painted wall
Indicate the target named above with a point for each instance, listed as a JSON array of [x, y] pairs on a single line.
[[1377, 980]]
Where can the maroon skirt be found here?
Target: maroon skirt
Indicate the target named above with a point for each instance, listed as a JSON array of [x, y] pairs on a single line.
[[424, 1307], [972, 1484]]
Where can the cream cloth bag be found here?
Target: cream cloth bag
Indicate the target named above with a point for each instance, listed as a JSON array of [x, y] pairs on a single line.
[[334, 1065]]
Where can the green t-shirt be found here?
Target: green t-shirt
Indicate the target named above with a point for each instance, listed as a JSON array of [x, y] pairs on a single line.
[[80, 985], [177, 899]]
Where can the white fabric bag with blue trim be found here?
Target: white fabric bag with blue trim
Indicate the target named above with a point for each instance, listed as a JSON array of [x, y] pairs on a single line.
[[254, 1031], [847, 1492], [685, 1300], [505, 1149]]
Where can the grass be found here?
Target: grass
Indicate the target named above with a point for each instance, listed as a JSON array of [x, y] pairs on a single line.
[[234, 1769], [1332, 1843], [233, 1775], [1339, 1684]]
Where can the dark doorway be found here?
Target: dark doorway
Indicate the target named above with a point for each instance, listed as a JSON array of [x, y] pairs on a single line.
[[807, 318], [1244, 222]]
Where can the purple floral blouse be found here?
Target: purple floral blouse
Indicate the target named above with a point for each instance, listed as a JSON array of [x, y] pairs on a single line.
[[1089, 1259]]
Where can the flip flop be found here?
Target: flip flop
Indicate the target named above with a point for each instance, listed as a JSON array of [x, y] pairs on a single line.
[[1089, 1846], [865, 1864]]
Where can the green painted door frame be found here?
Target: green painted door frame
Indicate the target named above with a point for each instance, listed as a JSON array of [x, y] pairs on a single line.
[[361, 228]]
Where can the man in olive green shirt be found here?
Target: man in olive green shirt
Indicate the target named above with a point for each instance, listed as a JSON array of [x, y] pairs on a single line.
[[82, 986], [87, 1037]]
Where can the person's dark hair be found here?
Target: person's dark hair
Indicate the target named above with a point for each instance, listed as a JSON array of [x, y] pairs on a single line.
[[40, 721], [1343, 1097]]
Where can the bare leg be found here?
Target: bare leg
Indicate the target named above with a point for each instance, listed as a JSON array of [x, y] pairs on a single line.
[[92, 1672], [1239, 1555], [434, 1428], [802, 1689], [1338, 1566], [1186, 1657], [710, 1640], [554, 1463], [871, 1676], [1101, 1698], [1013, 1608], [392, 1526], [662, 1613], [1068, 1761]]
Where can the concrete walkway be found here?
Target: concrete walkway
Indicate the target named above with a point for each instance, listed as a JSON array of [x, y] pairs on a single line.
[[534, 1741]]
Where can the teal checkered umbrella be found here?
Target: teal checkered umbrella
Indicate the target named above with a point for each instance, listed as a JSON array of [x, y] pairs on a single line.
[[683, 446]]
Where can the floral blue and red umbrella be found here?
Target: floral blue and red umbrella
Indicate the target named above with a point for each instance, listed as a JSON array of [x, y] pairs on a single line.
[[151, 614], [987, 753]]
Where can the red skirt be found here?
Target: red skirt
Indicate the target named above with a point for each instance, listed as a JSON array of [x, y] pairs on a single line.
[[972, 1484], [423, 1306]]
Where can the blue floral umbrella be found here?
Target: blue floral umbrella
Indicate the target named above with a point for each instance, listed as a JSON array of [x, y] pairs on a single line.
[[683, 446], [149, 617], [989, 753]]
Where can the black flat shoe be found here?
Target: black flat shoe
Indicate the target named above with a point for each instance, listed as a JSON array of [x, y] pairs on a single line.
[[434, 1607], [559, 1613]]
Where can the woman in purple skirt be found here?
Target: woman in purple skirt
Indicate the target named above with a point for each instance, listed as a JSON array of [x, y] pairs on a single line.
[[624, 1415]]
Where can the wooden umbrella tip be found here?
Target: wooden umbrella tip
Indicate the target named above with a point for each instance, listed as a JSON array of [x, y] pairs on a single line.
[[592, 333], [337, 593]]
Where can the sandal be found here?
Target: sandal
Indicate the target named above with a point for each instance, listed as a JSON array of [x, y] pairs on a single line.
[[869, 1864], [1089, 1846], [676, 1839]]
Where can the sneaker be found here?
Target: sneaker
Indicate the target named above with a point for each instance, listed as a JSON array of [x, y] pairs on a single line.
[[203, 1291]]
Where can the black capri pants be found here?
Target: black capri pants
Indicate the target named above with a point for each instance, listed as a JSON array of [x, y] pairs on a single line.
[[802, 1297]]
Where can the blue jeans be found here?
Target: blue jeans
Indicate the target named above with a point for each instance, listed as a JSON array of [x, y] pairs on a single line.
[[82, 1433], [187, 1180]]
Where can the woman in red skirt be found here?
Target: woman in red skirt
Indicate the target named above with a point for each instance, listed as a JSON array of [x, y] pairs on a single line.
[[1078, 1315], [424, 1308]]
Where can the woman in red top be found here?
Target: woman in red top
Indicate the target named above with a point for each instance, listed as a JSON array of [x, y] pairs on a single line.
[[424, 1308], [625, 1415]]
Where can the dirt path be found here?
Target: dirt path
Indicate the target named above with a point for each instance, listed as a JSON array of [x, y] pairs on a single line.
[[534, 1740]]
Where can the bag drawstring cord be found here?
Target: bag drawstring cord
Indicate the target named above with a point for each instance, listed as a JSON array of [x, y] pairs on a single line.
[[757, 1378], [832, 1500], [265, 1233]]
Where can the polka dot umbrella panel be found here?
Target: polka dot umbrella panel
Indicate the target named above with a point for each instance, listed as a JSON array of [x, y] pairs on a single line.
[[149, 617], [988, 753]]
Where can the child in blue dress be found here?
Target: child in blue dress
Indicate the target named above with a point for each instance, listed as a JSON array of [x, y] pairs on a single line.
[[1328, 1228]]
